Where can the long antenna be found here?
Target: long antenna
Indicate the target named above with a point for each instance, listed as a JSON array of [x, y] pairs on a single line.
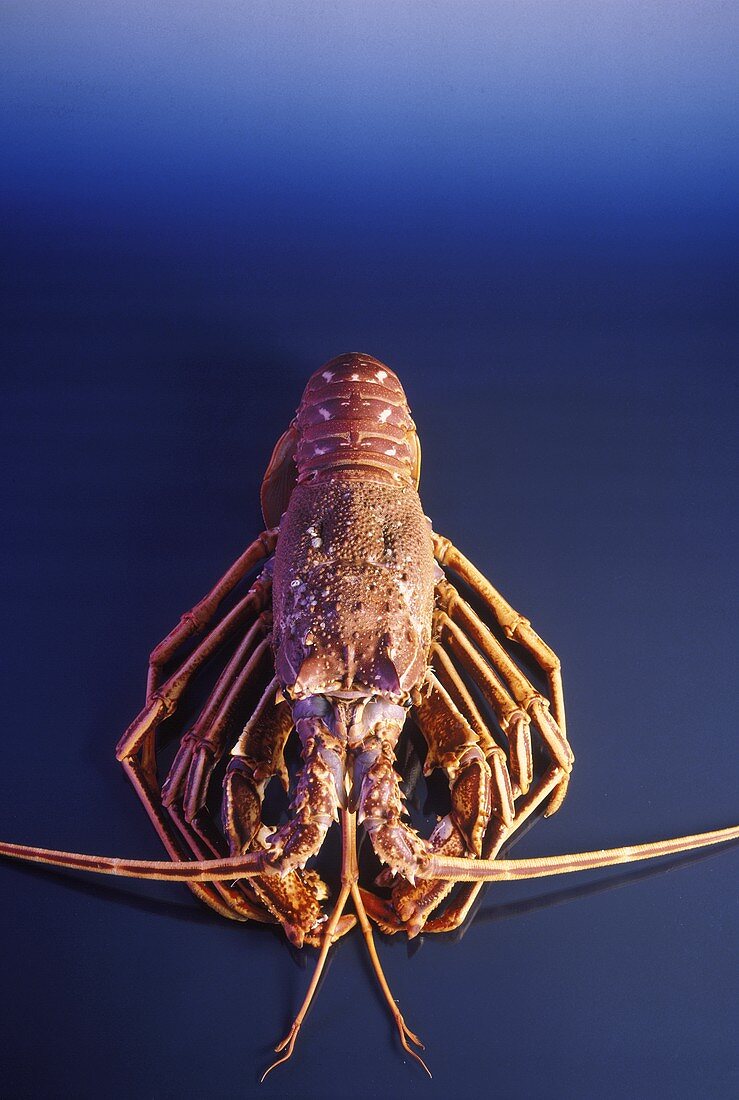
[[437, 867], [506, 870], [205, 870]]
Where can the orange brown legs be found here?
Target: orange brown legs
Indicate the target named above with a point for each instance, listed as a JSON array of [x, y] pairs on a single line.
[[177, 813], [514, 625], [294, 895], [464, 642], [204, 744], [163, 702], [476, 792], [457, 912], [193, 621], [514, 699]]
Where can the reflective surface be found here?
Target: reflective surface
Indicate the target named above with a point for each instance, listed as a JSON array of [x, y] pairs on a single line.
[[528, 217]]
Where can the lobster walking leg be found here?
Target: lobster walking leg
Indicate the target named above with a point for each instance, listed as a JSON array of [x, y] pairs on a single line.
[[511, 719], [476, 791], [460, 625], [184, 792], [293, 897], [136, 751], [193, 621], [160, 705], [236, 908], [515, 626], [454, 645], [457, 912], [204, 744]]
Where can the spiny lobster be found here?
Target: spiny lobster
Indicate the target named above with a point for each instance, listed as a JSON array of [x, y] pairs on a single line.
[[351, 624]]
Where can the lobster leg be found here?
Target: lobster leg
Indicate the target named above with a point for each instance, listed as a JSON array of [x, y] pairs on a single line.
[[184, 792], [236, 908], [203, 745], [136, 751], [488, 664], [163, 702], [476, 790], [193, 621], [457, 912], [515, 626], [293, 897], [510, 717], [183, 843], [454, 622]]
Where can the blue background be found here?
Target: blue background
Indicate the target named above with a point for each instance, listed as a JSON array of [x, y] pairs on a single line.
[[529, 211]]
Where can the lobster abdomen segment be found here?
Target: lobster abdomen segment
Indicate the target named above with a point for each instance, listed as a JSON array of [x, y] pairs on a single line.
[[354, 416]]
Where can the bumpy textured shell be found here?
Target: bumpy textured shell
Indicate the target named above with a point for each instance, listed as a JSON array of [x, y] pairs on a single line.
[[354, 566]]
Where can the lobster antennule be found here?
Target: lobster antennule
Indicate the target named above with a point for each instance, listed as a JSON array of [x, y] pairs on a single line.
[[505, 870], [205, 870]]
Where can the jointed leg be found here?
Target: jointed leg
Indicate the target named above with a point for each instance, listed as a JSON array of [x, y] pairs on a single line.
[[476, 792], [515, 626], [164, 700], [515, 703], [193, 621], [187, 836], [203, 745], [293, 897], [512, 719], [456, 913], [475, 766], [236, 907], [460, 625]]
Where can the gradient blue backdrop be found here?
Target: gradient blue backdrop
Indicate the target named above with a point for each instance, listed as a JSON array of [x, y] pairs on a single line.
[[527, 209]]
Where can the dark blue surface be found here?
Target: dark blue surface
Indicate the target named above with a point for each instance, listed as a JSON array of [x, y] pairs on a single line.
[[527, 210]]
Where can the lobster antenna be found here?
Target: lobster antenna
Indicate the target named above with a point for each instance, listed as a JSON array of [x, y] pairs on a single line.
[[506, 870], [205, 870], [438, 867]]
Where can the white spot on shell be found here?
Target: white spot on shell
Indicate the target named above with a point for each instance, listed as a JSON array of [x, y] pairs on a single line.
[[384, 415], [391, 451], [315, 543], [324, 413], [327, 375], [381, 375], [320, 450], [294, 584], [355, 378]]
